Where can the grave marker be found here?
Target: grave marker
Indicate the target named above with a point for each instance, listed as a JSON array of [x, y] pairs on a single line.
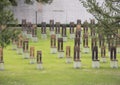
[[95, 61], [68, 54], [72, 34], [34, 33], [103, 53], [52, 27], [1, 59], [29, 28], [24, 26], [20, 45], [32, 55], [39, 60], [53, 44], [78, 32], [60, 48], [77, 62], [114, 61], [57, 30], [43, 30], [79, 22], [64, 33], [85, 43], [25, 49]]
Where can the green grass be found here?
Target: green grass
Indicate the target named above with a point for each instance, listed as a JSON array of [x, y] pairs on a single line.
[[18, 71]]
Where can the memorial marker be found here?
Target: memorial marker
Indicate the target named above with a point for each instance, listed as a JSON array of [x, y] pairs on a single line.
[[1, 59], [25, 49], [32, 55], [77, 61], [43, 30], [60, 48], [39, 60], [64, 33], [53, 44], [72, 34], [68, 54]]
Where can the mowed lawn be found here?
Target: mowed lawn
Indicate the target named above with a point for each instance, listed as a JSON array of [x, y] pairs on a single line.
[[18, 71]]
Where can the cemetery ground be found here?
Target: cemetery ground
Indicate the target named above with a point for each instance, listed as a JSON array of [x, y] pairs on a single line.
[[56, 71]]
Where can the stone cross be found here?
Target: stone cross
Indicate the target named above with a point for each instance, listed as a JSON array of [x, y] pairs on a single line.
[[60, 44], [39, 57], [53, 40]]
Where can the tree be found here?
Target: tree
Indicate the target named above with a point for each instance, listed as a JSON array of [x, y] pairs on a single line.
[[6, 18], [14, 2], [107, 14]]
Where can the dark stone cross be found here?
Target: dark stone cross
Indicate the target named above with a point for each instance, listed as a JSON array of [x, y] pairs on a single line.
[[57, 28], [72, 25], [39, 57], [60, 44], [1, 55], [53, 41], [76, 53], [77, 42], [64, 30], [51, 25], [43, 28], [32, 52], [25, 45], [34, 31], [95, 53], [68, 51], [113, 53], [85, 40]]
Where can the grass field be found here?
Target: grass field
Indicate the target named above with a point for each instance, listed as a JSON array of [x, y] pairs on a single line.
[[18, 71]]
